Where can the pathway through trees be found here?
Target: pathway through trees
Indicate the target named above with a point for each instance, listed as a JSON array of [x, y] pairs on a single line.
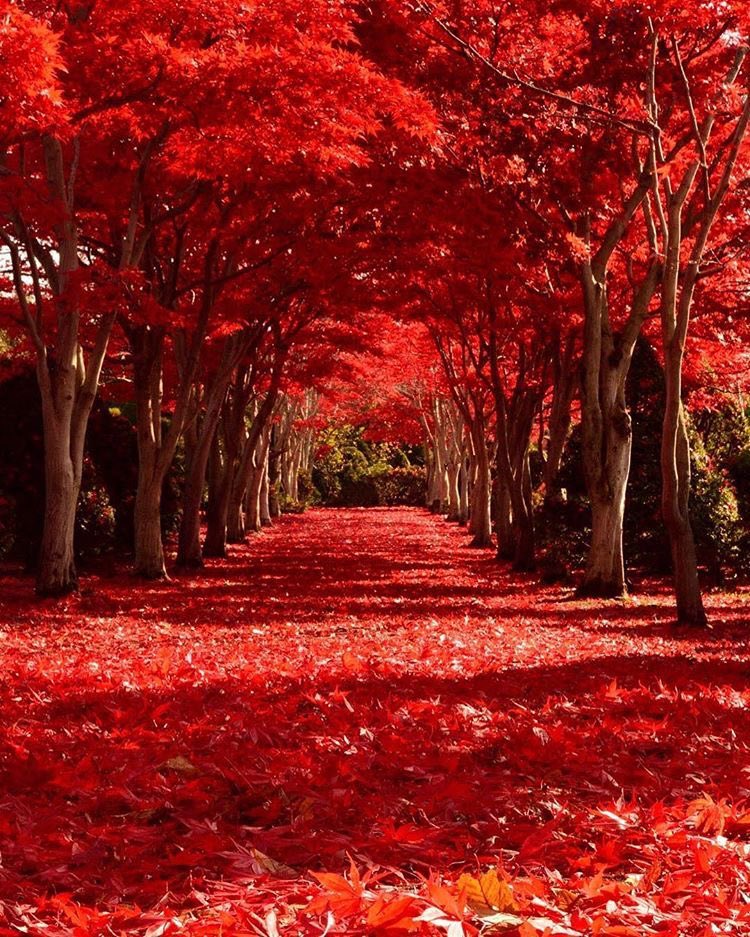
[[361, 687]]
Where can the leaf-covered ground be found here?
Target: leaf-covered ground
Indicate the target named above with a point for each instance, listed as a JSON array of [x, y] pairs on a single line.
[[356, 724]]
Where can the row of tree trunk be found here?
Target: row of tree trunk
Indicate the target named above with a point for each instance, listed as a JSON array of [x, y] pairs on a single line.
[[478, 465], [478, 441], [483, 483], [242, 448]]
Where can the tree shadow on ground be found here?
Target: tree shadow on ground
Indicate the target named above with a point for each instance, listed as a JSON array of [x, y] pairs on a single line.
[[398, 699], [119, 795]]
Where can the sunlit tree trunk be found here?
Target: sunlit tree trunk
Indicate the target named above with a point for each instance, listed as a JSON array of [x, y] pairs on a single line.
[[68, 384], [149, 558], [463, 492], [265, 506], [66, 404], [231, 433], [152, 463], [514, 419], [439, 489], [606, 425], [454, 495], [454, 459], [57, 572], [189, 552], [679, 280], [675, 444], [480, 521], [156, 446], [254, 521], [274, 507], [237, 528], [286, 412], [607, 443], [235, 513], [430, 472]]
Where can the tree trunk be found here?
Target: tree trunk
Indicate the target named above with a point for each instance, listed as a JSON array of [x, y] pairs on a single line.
[[455, 451], [189, 553], [154, 459], [236, 532], [607, 427], [607, 433], [607, 466], [155, 453], [265, 508], [68, 388], [675, 468], [514, 420], [463, 493], [254, 522], [524, 557], [225, 521], [295, 469], [503, 521], [678, 287], [149, 550], [219, 487], [156, 448], [516, 540], [258, 431], [439, 481], [481, 496], [274, 507], [56, 573], [454, 495], [67, 398], [430, 469], [605, 421]]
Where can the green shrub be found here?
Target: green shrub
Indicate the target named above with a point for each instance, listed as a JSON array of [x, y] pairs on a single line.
[[739, 472], [402, 486], [308, 493], [351, 471], [721, 461], [290, 506], [360, 491]]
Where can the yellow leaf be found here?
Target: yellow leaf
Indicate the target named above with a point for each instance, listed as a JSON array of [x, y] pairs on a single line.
[[566, 898], [263, 863], [181, 765], [488, 891]]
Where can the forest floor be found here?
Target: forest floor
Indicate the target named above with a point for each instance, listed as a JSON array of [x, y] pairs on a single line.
[[356, 724]]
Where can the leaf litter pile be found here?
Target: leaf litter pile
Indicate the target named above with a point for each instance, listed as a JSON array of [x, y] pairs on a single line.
[[357, 725]]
